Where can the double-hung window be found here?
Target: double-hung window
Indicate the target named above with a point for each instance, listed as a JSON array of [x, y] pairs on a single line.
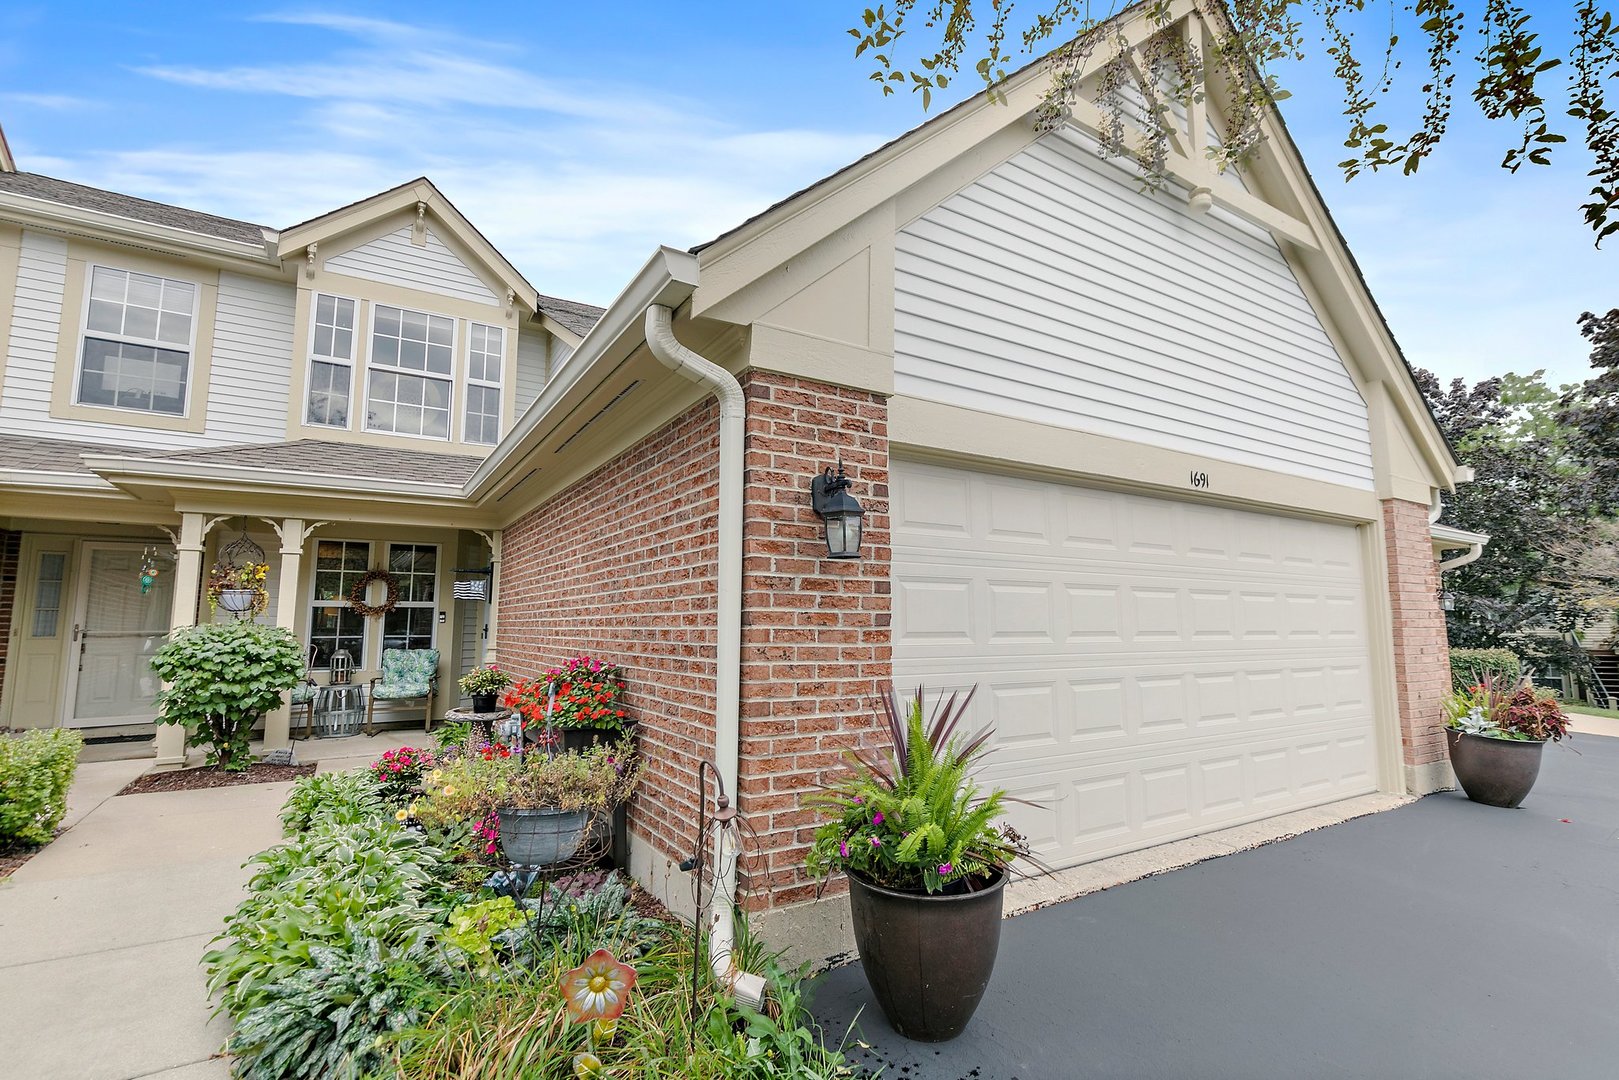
[[409, 386], [333, 625], [410, 624], [137, 342], [485, 349], [331, 362]]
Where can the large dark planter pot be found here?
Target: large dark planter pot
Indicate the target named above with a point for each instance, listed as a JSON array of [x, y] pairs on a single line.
[[485, 703], [1497, 772], [583, 738], [928, 958], [543, 836]]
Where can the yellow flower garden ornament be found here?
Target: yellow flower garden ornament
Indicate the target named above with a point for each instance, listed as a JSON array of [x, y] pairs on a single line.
[[598, 989]]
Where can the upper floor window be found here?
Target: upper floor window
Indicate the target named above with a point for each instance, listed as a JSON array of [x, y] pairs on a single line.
[[485, 348], [409, 388], [331, 361], [137, 342]]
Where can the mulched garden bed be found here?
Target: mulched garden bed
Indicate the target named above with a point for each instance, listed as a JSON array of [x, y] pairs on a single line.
[[11, 859], [210, 777]]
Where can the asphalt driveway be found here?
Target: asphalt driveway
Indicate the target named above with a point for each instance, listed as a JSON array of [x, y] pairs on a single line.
[[1440, 939]]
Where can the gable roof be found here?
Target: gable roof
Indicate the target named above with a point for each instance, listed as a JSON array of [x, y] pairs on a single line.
[[419, 191], [66, 193]]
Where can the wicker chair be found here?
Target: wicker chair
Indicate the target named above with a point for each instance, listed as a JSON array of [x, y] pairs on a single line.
[[408, 675]]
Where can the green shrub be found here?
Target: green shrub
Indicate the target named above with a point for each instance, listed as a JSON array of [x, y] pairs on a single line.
[[36, 770], [347, 798], [1468, 667], [221, 678]]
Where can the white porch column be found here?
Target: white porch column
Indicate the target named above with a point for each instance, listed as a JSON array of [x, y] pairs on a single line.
[[277, 724], [491, 651], [171, 738]]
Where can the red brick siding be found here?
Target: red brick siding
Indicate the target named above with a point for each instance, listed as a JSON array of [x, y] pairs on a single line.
[[1421, 652], [621, 566], [10, 550], [815, 631]]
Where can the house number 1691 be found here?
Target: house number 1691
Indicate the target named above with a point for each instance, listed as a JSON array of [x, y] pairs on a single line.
[[1200, 479]]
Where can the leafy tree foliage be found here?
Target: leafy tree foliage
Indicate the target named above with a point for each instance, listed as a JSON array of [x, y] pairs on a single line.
[[221, 678], [1495, 42]]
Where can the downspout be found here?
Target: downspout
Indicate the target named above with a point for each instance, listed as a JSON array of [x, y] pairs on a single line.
[[660, 338]]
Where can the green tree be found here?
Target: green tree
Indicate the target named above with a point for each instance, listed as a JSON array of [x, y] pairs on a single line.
[[1489, 49]]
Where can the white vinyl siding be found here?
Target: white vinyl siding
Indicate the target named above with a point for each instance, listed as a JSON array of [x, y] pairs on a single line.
[[252, 359], [532, 348], [432, 268], [1153, 668], [252, 350], [1052, 290]]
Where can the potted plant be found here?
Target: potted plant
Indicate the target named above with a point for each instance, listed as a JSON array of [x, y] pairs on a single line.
[[583, 697], [1496, 732], [927, 862], [220, 678], [483, 685], [544, 802], [238, 589]]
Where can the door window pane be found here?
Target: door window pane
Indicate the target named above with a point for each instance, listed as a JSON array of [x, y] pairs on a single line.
[[48, 593]]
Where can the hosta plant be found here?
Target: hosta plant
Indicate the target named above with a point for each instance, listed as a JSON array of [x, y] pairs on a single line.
[[912, 817], [220, 678], [334, 798], [1519, 711]]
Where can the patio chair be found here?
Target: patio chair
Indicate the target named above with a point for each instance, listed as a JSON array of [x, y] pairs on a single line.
[[303, 694], [408, 675]]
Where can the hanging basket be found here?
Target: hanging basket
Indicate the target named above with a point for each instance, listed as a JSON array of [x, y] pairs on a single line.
[[238, 601]]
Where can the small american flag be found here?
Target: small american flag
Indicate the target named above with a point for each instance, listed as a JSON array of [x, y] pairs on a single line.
[[476, 589]]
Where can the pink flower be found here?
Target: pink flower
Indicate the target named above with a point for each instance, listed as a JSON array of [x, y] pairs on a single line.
[[877, 818], [945, 869], [876, 842], [859, 799], [843, 849]]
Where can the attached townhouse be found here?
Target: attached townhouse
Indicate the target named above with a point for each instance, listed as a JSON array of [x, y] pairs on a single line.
[[1148, 471]]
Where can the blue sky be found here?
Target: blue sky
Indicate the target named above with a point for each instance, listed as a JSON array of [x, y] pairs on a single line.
[[578, 137]]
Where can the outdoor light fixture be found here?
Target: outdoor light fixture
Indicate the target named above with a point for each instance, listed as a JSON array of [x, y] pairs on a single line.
[[1447, 601], [840, 513]]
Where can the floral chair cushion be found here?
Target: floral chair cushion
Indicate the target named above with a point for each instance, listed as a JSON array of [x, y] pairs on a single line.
[[406, 673], [303, 693]]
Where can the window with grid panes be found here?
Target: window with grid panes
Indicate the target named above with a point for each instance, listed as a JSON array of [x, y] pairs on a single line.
[[331, 361], [408, 390], [333, 625], [136, 351], [485, 349], [410, 625]]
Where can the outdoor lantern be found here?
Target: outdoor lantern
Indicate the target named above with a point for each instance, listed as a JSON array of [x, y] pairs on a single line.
[[1447, 601], [840, 513]]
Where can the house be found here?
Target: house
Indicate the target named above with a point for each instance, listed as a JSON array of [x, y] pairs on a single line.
[[174, 383], [1148, 471]]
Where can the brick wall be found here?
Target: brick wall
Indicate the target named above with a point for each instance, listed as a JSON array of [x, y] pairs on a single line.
[[10, 549], [815, 631], [1421, 653], [622, 566]]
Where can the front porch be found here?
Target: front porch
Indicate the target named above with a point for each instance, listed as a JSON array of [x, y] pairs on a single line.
[[94, 575]]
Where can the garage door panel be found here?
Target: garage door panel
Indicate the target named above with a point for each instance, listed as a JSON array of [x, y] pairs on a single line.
[[1153, 668]]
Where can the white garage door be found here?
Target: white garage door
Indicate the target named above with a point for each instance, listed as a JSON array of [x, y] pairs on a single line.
[[1153, 668]]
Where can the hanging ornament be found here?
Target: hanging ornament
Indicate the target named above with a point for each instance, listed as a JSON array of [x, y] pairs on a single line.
[[148, 570]]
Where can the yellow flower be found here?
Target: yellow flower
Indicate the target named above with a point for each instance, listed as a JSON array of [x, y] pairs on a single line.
[[435, 776], [401, 814], [448, 790], [586, 1066], [599, 988]]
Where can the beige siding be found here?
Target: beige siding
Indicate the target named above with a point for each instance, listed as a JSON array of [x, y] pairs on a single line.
[[252, 364], [1053, 291], [432, 268]]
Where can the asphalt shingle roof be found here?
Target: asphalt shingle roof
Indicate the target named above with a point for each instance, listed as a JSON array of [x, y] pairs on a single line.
[[50, 189], [323, 458], [315, 457], [571, 313]]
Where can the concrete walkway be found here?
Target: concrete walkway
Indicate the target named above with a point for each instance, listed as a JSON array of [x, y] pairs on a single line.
[[1439, 939], [101, 933]]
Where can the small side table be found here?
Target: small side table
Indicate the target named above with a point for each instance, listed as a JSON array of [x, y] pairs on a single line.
[[339, 711]]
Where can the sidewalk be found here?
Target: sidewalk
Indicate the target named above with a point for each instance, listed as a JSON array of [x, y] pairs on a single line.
[[101, 933]]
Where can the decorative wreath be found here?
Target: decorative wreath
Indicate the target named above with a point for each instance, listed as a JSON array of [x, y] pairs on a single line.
[[357, 602]]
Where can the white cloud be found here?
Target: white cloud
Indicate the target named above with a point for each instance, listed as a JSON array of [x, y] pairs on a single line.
[[575, 183], [52, 102]]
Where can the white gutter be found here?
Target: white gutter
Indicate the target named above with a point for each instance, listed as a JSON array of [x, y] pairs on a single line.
[[1446, 537], [660, 338]]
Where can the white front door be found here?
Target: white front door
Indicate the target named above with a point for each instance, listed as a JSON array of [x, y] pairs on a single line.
[[116, 630], [1153, 668]]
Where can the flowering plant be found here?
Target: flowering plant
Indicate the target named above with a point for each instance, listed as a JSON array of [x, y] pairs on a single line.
[[489, 776], [250, 576], [587, 694], [398, 773], [484, 680], [1521, 712], [913, 818]]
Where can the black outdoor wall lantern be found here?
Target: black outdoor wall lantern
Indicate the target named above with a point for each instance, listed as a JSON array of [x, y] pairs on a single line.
[[840, 513]]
